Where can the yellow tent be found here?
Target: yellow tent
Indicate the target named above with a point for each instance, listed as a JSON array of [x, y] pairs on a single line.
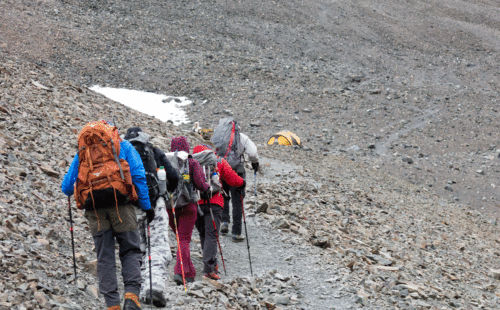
[[284, 138]]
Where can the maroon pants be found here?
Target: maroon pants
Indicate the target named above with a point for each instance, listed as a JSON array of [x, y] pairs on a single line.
[[186, 218]]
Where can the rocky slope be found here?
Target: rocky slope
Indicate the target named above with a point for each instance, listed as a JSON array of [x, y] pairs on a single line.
[[384, 82]]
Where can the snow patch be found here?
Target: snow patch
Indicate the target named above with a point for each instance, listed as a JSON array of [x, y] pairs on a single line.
[[165, 108]]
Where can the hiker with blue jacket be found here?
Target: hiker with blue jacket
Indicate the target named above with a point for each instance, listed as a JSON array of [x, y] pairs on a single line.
[[107, 175]]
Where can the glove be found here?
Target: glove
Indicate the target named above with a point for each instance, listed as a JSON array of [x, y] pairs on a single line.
[[150, 214], [206, 195], [255, 167], [242, 187]]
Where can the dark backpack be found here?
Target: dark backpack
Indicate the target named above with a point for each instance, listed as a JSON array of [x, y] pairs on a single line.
[[148, 160]]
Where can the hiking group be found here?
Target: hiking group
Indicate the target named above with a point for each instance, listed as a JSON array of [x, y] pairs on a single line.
[[131, 191]]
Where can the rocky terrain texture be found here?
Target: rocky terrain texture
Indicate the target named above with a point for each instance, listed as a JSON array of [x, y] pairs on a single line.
[[392, 203], [410, 87]]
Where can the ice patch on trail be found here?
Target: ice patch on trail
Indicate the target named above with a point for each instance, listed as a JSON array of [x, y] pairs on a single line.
[[165, 108]]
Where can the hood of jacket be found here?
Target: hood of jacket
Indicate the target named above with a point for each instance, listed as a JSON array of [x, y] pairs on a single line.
[[141, 137], [179, 144], [132, 132]]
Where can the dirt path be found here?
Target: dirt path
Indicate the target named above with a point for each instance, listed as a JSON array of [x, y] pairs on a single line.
[[272, 250]]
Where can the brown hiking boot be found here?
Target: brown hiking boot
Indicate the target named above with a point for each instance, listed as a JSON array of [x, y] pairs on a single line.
[[131, 302], [212, 276]]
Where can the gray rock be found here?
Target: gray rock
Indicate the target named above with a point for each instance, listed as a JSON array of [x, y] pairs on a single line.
[[262, 208], [408, 160], [282, 299], [198, 294], [80, 285], [282, 223], [379, 259]]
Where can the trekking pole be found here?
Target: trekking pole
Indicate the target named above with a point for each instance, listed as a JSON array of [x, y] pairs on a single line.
[[255, 191], [178, 243], [246, 233], [255, 182], [217, 236], [150, 269], [71, 230]]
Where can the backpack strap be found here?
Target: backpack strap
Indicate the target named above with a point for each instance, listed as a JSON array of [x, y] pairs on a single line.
[[230, 142], [117, 160]]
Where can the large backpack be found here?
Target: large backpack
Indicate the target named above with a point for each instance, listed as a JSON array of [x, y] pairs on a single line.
[[146, 152], [103, 178], [185, 193], [208, 161], [226, 140]]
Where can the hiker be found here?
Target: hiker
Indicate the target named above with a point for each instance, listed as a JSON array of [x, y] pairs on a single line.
[[231, 145], [109, 176], [215, 169], [185, 217], [153, 158]]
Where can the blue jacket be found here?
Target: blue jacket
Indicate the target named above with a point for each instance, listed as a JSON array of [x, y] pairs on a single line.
[[127, 152]]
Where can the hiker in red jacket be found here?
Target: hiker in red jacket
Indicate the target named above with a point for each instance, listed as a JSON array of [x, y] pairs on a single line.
[[215, 201]]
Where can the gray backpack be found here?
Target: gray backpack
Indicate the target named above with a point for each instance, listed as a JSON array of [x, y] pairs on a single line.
[[208, 161], [226, 140], [184, 194]]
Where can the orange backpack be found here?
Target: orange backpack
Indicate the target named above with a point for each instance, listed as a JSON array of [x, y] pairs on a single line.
[[101, 174]]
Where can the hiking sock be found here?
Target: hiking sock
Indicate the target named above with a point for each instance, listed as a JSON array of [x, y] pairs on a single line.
[[134, 297]]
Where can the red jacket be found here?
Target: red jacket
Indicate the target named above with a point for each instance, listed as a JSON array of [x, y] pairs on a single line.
[[228, 175]]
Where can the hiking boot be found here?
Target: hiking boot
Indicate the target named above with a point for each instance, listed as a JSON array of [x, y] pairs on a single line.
[[238, 238], [189, 280], [158, 299], [178, 279], [212, 276], [114, 308], [131, 302], [224, 228], [216, 269]]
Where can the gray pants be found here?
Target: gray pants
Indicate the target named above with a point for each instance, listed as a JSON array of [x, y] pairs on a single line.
[[130, 257], [160, 248], [106, 226], [208, 235]]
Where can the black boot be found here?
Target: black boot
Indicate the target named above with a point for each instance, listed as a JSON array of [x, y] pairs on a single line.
[[130, 305], [178, 279], [158, 298]]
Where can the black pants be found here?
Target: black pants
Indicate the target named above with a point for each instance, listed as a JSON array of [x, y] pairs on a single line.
[[236, 196], [208, 235]]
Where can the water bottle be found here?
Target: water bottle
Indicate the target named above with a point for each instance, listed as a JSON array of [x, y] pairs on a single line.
[[216, 182], [162, 180]]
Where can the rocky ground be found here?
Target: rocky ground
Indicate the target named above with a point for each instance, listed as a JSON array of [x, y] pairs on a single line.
[[410, 86], [392, 203]]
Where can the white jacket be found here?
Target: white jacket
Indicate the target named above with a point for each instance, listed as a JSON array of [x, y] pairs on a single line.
[[249, 148]]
